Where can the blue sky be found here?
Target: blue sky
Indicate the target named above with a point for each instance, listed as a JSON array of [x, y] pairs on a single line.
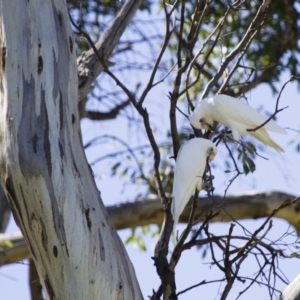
[[279, 173]]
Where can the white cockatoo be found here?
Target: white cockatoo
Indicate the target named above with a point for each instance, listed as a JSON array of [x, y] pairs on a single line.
[[189, 169], [235, 114]]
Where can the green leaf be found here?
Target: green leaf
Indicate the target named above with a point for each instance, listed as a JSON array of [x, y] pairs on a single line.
[[124, 173], [114, 168], [145, 229], [251, 164], [251, 148], [246, 168], [240, 154], [6, 244], [142, 245], [131, 239]]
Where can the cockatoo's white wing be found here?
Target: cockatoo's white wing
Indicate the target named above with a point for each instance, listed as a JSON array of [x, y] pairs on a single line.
[[238, 116], [240, 112], [241, 117], [190, 166]]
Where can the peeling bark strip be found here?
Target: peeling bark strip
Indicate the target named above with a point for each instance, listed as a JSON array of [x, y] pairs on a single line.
[[71, 44], [4, 211], [55, 251], [101, 246], [3, 58], [40, 65], [33, 133], [88, 219], [50, 290], [43, 165]]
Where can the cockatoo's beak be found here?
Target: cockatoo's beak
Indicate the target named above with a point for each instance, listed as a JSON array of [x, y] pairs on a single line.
[[203, 122], [212, 156], [211, 153]]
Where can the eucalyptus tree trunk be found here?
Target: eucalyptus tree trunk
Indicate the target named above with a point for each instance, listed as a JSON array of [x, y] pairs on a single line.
[[44, 171], [292, 291]]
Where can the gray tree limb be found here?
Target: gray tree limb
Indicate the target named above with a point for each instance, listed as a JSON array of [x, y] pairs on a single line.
[[13, 248], [241, 47], [88, 64], [101, 116], [147, 211], [251, 205], [34, 282]]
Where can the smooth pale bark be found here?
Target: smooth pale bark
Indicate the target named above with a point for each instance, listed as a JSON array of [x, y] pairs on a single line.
[[89, 68], [251, 205], [44, 171], [292, 291]]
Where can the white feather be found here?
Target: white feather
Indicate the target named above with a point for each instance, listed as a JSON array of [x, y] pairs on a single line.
[[237, 115], [190, 166]]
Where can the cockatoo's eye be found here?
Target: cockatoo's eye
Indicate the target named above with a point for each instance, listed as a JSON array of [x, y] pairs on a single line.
[[202, 121], [210, 150], [210, 153]]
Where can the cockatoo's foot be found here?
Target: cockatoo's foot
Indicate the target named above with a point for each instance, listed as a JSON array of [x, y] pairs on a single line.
[[209, 178], [208, 186], [226, 135], [207, 183]]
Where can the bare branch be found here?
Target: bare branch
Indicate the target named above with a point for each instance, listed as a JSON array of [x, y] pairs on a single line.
[[253, 28], [276, 107], [101, 116], [168, 33], [89, 66], [199, 284], [34, 282], [149, 211], [219, 27]]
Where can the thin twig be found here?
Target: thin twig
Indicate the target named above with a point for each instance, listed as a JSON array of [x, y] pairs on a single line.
[[260, 12], [276, 107]]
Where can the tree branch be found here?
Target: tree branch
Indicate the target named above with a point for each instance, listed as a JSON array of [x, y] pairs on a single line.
[[149, 211], [276, 107], [240, 47], [89, 67], [112, 114], [34, 282]]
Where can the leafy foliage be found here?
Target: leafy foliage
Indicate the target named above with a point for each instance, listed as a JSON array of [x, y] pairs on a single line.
[[138, 235]]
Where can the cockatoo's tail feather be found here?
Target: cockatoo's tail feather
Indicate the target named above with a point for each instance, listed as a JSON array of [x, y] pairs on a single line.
[[262, 135]]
